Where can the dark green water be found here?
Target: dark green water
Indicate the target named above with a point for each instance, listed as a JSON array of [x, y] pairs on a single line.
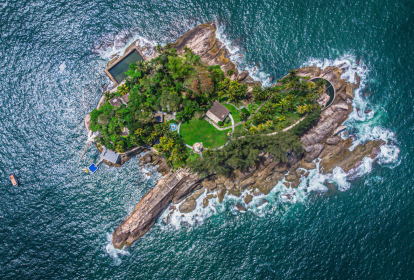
[[57, 223]]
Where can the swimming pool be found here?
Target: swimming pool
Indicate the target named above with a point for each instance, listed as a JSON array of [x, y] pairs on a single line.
[[117, 71], [329, 88]]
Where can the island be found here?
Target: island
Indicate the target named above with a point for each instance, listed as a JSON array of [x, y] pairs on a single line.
[[210, 129]]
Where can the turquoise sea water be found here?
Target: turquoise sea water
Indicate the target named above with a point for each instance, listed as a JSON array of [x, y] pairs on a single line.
[[58, 222]]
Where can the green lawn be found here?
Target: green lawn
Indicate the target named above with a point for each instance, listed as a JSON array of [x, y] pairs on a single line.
[[197, 130], [234, 112]]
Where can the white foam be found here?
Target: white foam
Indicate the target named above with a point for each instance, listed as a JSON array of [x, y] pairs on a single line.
[[113, 252], [62, 67], [365, 126], [237, 57], [115, 44]]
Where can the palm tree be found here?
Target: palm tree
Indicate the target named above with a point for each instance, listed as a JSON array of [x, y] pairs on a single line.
[[268, 108]]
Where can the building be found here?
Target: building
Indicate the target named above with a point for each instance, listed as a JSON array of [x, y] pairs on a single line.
[[218, 112], [125, 99], [116, 102], [125, 131], [159, 117], [109, 155]]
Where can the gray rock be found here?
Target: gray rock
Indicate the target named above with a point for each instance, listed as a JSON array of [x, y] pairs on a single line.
[[228, 184], [221, 193], [248, 198], [313, 152], [187, 206], [147, 158], [290, 178], [243, 75], [333, 140], [308, 165], [339, 129], [240, 208], [209, 185]]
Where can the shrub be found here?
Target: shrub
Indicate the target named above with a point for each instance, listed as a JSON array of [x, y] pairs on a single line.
[[230, 72], [220, 123]]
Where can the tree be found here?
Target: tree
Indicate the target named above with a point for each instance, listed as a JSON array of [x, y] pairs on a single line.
[[259, 94], [268, 108]]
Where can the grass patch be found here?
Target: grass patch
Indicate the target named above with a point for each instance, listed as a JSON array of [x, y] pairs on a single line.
[[234, 112], [252, 107], [193, 157], [197, 130]]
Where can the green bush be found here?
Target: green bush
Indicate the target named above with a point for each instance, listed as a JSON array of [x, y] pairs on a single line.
[[220, 123]]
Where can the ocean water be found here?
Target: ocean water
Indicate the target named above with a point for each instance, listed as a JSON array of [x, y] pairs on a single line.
[[58, 222]]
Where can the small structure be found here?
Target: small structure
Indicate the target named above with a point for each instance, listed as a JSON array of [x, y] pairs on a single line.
[[13, 179], [125, 131], [218, 112], [93, 168], [125, 99], [159, 117], [116, 102], [198, 147], [109, 155]]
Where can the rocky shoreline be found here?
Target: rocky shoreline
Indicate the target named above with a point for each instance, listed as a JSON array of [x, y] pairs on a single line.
[[322, 143]]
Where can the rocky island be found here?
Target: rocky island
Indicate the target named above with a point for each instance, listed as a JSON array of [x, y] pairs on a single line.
[[280, 132]]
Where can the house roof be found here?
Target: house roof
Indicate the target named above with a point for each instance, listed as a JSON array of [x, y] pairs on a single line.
[[109, 155], [219, 111], [125, 98], [116, 102], [161, 115], [125, 131]]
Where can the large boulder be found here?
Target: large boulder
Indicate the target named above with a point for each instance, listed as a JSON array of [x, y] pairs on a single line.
[[333, 140], [187, 206], [209, 185], [313, 152]]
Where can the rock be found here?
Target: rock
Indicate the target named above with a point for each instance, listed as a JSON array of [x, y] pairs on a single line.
[[295, 183], [248, 198], [368, 93], [281, 167], [341, 156], [286, 184], [308, 165], [333, 140], [271, 78], [151, 206], [221, 193], [247, 183], [367, 111], [209, 185], [184, 190], [200, 39], [210, 196], [147, 158], [276, 177], [240, 208], [205, 202], [187, 206], [172, 207], [343, 96], [261, 202], [358, 80], [341, 105], [290, 178], [339, 129], [306, 174], [235, 191], [197, 193], [243, 75], [228, 184], [313, 152], [350, 87], [266, 186]]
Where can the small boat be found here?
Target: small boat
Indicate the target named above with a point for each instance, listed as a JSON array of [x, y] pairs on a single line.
[[13, 179]]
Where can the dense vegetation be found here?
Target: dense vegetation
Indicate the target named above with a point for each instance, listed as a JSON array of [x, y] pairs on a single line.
[[183, 85], [169, 82]]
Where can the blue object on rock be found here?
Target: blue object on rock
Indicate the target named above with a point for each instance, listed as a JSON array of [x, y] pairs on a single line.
[[93, 168]]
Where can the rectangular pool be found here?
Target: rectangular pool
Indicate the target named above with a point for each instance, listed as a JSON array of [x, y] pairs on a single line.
[[118, 71]]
